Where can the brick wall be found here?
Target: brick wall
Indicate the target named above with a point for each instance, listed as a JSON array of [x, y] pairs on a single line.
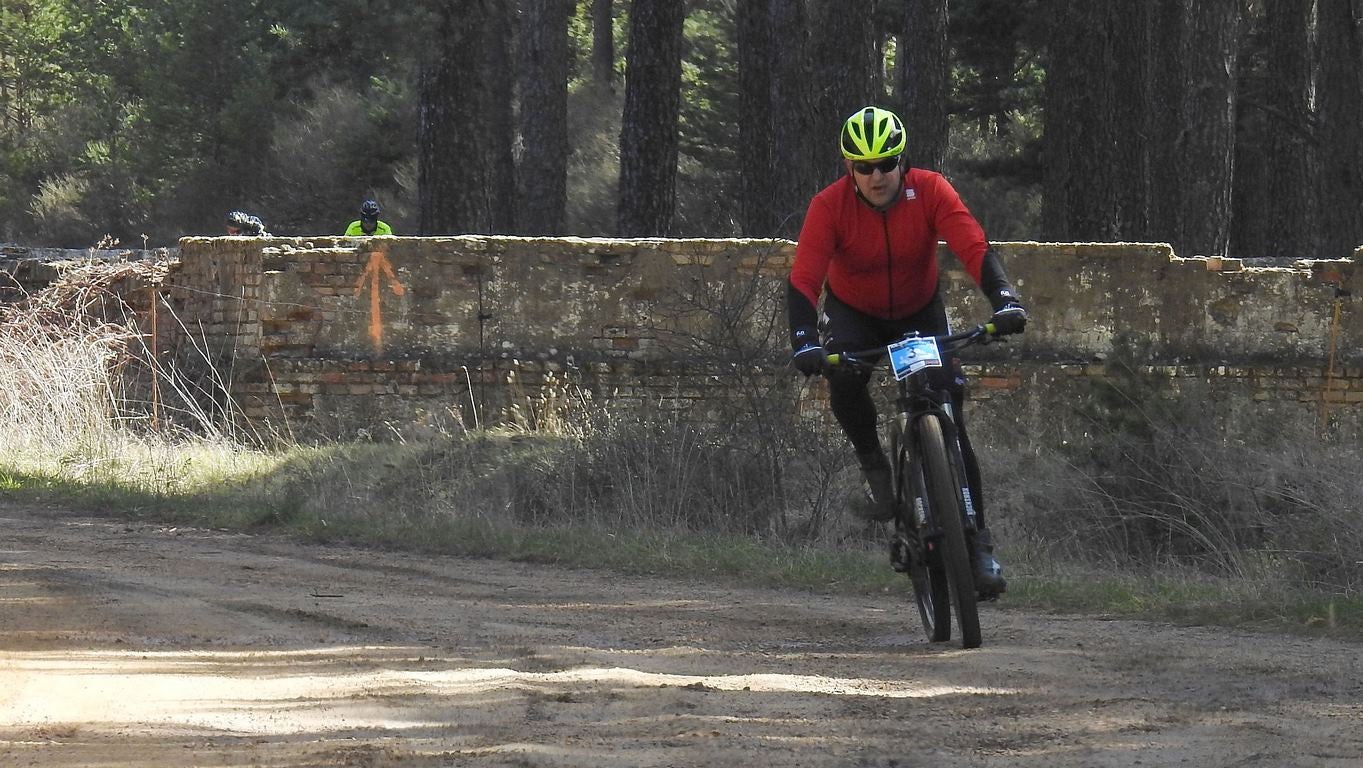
[[315, 346], [25, 270]]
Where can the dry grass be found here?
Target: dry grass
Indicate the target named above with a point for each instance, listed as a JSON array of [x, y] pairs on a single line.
[[1160, 485], [71, 358], [76, 399], [59, 369], [1159, 513]]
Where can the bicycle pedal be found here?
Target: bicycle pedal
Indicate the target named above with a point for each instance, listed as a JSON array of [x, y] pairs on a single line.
[[990, 594]]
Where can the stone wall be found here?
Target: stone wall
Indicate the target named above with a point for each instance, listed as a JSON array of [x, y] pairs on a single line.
[[336, 336], [25, 270]]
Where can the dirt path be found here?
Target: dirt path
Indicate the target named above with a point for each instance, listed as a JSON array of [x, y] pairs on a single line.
[[133, 645]]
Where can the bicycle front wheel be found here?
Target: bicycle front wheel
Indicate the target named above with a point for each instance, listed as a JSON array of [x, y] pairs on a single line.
[[926, 572], [944, 497]]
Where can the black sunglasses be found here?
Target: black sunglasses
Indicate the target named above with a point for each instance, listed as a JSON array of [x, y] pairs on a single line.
[[884, 166]]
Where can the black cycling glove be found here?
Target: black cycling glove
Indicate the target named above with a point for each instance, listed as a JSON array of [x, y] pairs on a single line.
[[809, 356], [1009, 318], [1009, 314]]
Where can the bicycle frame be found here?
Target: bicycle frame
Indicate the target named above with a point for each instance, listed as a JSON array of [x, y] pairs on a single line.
[[918, 399], [935, 517]]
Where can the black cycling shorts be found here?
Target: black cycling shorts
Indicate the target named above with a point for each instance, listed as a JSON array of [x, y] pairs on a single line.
[[845, 329]]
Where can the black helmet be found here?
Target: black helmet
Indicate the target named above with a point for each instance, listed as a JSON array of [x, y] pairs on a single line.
[[245, 223], [369, 209]]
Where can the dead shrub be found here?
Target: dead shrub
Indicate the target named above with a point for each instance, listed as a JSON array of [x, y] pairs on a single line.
[[1158, 481]]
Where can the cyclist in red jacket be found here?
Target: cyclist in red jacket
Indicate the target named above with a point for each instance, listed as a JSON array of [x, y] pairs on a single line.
[[869, 246]]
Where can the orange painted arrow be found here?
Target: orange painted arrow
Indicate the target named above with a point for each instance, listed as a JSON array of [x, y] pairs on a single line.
[[374, 271]]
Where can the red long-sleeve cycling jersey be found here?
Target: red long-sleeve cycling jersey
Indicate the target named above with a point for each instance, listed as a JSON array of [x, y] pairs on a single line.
[[884, 263]]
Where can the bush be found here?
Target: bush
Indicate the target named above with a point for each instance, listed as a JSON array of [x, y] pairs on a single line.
[[56, 393], [59, 210], [1159, 482]]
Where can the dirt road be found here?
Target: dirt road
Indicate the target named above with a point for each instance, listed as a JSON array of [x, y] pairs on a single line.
[[124, 644]]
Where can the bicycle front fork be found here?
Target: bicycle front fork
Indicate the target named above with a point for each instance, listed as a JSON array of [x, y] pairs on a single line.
[[912, 537]]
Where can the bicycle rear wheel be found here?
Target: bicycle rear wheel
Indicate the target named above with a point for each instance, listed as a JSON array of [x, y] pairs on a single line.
[[944, 495], [926, 572]]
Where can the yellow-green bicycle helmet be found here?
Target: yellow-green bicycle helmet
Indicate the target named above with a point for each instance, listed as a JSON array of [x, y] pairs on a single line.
[[872, 133]]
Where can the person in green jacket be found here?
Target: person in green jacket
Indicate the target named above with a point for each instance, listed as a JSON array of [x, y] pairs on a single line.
[[368, 224]]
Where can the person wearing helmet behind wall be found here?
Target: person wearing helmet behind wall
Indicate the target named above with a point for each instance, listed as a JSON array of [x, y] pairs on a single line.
[[243, 224], [368, 224], [869, 247]]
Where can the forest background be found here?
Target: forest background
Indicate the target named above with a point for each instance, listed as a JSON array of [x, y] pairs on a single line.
[[1225, 127]]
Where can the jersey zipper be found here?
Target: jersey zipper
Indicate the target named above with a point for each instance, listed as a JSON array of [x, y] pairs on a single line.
[[889, 264]]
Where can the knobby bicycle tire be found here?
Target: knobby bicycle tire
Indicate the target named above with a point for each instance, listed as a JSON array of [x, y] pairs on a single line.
[[927, 574], [944, 495]]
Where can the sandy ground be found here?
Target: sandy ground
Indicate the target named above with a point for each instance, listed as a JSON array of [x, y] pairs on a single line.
[[125, 644]]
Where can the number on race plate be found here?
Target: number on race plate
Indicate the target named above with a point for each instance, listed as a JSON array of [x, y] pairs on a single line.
[[910, 356]]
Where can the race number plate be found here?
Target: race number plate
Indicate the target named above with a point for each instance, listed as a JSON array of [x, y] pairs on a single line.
[[910, 356]]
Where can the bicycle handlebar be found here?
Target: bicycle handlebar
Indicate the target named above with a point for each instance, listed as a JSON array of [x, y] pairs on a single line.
[[980, 334]]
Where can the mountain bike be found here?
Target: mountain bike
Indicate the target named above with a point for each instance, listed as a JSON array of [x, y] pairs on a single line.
[[934, 516]]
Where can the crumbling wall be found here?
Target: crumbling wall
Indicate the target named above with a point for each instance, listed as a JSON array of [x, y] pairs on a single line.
[[337, 336]]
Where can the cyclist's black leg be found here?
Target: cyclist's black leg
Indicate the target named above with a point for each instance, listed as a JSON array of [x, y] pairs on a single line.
[[855, 411], [988, 572], [845, 329]]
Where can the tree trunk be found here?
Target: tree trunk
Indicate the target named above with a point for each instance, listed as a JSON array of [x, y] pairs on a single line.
[[648, 132], [795, 156], [543, 170], [1288, 200], [1253, 132], [1209, 108], [755, 53], [924, 81], [1078, 201], [603, 43], [1164, 118], [842, 79], [499, 74], [1129, 28], [1340, 113], [1098, 98], [456, 173]]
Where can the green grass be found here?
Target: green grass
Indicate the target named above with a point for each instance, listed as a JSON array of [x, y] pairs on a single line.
[[1185, 597], [433, 498]]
